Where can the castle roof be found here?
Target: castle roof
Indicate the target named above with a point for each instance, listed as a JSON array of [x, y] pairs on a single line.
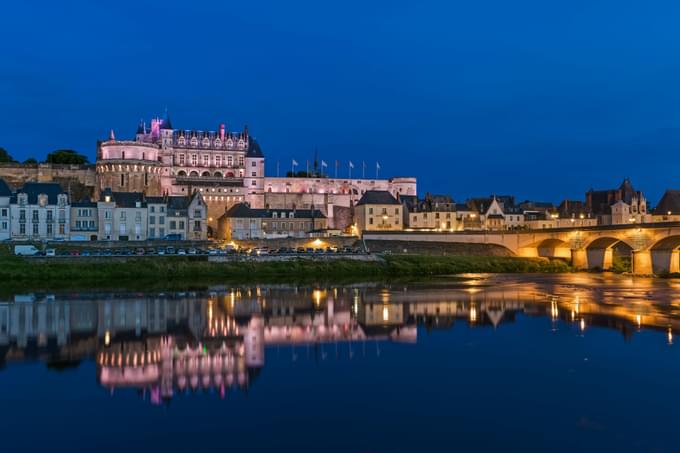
[[377, 197], [254, 149], [166, 124], [670, 202]]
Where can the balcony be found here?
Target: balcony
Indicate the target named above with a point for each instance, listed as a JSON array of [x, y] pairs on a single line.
[[209, 180]]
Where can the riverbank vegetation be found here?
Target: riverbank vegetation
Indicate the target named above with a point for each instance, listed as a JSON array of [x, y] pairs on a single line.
[[178, 271]]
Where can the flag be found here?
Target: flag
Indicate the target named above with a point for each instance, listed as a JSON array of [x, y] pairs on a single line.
[[351, 165], [377, 165], [294, 163], [324, 164]]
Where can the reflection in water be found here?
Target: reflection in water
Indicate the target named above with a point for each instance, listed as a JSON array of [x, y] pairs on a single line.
[[168, 343]]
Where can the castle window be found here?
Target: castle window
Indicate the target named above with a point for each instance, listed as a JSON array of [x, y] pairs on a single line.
[[123, 155], [194, 160], [194, 142], [240, 161], [146, 179], [206, 160], [218, 143], [206, 143], [182, 141], [218, 161], [122, 180], [181, 159], [230, 161]]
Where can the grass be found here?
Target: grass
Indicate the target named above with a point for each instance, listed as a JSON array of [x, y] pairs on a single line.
[[17, 272]]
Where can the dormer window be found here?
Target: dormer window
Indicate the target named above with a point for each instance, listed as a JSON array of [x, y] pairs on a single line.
[[23, 199], [218, 143], [194, 142], [182, 141], [230, 143], [42, 200], [241, 144], [205, 143], [274, 214]]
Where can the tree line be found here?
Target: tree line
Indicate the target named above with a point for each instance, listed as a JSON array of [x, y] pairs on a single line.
[[60, 156]]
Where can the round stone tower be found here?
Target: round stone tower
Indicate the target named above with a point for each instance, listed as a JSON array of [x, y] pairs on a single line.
[[129, 166]]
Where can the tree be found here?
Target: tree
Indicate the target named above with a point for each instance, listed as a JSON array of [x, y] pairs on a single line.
[[30, 161], [66, 156], [5, 157]]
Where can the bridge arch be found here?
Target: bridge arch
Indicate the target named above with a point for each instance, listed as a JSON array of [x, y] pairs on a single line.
[[601, 252], [547, 248], [665, 255]]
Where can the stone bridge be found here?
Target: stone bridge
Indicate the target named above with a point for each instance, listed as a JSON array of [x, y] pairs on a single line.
[[654, 247]]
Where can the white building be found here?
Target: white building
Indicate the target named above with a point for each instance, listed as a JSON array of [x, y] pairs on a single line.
[[5, 195], [40, 211], [122, 216]]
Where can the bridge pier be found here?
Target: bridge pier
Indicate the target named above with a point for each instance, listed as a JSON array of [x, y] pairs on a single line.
[[579, 259], [642, 262]]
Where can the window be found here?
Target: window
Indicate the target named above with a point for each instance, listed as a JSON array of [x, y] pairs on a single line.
[[123, 215], [62, 229], [197, 213], [181, 159], [152, 220], [123, 228], [370, 221], [152, 233], [162, 209], [50, 216], [218, 161], [173, 225], [92, 224], [254, 164], [78, 225], [22, 215], [138, 217], [254, 183], [122, 180], [253, 174], [4, 225], [35, 216], [50, 229], [206, 160], [370, 210], [194, 159], [35, 229], [181, 224], [3, 212], [161, 232], [161, 220], [22, 228], [152, 208], [396, 212], [107, 229], [230, 161], [197, 225], [240, 161], [107, 215]]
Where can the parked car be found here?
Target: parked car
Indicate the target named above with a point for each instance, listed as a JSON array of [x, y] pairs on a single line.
[[181, 252], [85, 253], [192, 251], [25, 250], [172, 237], [139, 252], [160, 251], [170, 250], [50, 252]]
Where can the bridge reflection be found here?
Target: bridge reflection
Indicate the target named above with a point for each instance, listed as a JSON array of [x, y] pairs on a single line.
[[167, 343]]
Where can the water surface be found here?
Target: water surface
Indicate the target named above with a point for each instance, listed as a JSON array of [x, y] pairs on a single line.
[[574, 362]]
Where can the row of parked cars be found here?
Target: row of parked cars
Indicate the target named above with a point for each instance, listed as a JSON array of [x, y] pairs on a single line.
[[179, 251]]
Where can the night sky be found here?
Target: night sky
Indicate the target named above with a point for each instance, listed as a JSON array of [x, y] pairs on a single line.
[[541, 99]]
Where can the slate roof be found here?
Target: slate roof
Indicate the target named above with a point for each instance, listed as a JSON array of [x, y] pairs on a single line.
[[4, 189], [254, 149], [669, 202], [84, 204], [242, 210], [33, 189], [377, 197], [124, 199]]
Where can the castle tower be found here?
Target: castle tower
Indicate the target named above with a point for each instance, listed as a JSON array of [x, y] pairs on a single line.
[[128, 166], [253, 178]]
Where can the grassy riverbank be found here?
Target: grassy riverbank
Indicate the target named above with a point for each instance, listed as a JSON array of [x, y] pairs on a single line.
[[141, 272]]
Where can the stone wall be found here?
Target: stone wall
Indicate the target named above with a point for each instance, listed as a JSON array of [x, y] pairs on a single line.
[[78, 180]]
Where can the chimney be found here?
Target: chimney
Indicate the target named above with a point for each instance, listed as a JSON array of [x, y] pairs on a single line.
[[222, 131]]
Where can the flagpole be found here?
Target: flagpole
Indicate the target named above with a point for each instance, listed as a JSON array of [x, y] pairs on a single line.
[[336, 169], [350, 169], [377, 169], [363, 170], [277, 168]]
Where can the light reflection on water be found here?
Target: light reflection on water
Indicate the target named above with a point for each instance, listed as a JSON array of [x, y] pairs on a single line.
[[219, 343]]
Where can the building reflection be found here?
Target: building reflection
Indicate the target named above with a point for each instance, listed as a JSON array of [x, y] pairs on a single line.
[[165, 344]]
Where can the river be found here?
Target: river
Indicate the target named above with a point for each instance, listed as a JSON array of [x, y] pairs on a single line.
[[568, 362]]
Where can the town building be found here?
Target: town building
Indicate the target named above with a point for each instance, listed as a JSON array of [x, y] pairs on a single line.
[[243, 222], [177, 217], [39, 211], [5, 196], [622, 205], [84, 221], [122, 216], [227, 168], [434, 212], [378, 210]]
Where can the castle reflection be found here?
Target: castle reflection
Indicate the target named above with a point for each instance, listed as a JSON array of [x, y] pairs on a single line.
[[167, 343]]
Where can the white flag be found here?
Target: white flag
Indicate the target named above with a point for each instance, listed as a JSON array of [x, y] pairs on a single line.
[[377, 165], [351, 165], [294, 163], [324, 164]]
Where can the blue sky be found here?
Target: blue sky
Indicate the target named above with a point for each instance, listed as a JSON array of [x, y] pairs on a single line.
[[541, 99]]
